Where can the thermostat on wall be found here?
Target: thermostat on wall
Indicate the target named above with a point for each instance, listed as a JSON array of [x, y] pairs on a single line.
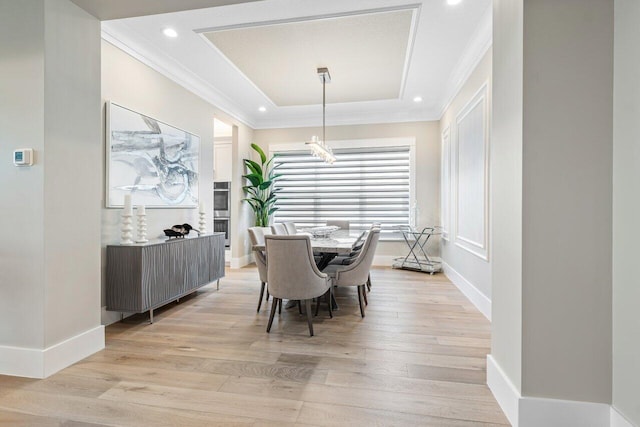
[[23, 157]]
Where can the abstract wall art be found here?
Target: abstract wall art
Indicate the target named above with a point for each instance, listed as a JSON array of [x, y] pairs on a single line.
[[156, 163]]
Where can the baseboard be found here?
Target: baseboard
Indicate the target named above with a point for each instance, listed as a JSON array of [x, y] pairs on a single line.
[[35, 363], [503, 390], [618, 420], [383, 260], [477, 298], [241, 261], [536, 412]]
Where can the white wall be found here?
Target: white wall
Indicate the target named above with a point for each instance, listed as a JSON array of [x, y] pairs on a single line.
[[72, 180], [50, 254], [626, 211], [466, 262], [506, 188], [567, 197], [552, 197], [22, 193], [128, 82], [427, 163]]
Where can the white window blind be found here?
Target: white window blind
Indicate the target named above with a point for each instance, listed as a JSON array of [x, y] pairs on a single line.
[[363, 186]]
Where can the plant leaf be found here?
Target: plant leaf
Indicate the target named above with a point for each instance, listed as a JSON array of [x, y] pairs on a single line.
[[253, 167], [265, 185], [256, 180], [272, 210], [250, 189], [263, 157]]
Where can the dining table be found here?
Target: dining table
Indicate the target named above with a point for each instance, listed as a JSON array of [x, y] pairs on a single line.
[[341, 242]]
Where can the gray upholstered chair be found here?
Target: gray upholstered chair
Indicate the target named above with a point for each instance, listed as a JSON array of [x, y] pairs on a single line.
[[293, 274], [357, 247], [256, 234], [351, 257], [291, 228], [344, 225], [356, 273], [279, 229]]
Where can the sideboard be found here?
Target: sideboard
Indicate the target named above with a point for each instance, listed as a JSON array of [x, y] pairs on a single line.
[[143, 277]]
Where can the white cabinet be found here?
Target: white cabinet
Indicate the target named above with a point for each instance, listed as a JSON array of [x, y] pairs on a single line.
[[222, 161]]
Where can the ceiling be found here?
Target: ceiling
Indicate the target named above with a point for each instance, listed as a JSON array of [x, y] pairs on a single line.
[[381, 55], [371, 66], [116, 9]]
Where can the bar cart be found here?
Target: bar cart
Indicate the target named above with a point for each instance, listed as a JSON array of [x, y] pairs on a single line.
[[418, 258]]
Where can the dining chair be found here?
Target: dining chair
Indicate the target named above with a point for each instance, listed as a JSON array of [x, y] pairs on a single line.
[[356, 273], [357, 247], [279, 229], [291, 228], [344, 225], [257, 234], [351, 257], [293, 275]]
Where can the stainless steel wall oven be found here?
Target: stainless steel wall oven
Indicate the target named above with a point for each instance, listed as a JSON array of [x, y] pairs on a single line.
[[222, 209]]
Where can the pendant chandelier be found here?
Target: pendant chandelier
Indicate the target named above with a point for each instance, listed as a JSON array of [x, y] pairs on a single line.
[[319, 148]]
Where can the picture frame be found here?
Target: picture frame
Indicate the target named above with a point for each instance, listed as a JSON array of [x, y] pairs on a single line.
[[154, 162]]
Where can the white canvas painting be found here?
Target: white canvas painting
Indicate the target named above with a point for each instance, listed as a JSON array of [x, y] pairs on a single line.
[[154, 162]]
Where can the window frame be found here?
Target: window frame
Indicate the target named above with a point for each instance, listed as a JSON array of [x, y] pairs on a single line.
[[368, 143]]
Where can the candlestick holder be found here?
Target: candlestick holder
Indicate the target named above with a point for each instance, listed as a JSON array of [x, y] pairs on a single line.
[[203, 222], [126, 236], [142, 228]]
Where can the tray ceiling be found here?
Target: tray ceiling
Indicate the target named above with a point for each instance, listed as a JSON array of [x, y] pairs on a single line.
[[367, 55], [257, 61]]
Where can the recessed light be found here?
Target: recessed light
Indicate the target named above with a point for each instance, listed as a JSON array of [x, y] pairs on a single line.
[[417, 99], [170, 32], [262, 109], [453, 2]]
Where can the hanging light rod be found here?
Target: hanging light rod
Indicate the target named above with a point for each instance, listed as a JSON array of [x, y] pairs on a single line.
[[318, 147]]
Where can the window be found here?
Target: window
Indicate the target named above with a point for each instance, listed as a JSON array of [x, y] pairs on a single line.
[[364, 185]]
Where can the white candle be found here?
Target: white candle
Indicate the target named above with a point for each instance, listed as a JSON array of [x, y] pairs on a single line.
[[127, 204], [202, 207], [141, 210]]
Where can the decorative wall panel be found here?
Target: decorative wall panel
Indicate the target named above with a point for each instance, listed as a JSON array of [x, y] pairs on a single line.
[[445, 182], [471, 170]]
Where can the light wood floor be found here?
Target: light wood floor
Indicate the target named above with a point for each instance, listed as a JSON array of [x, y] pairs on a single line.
[[417, 358]]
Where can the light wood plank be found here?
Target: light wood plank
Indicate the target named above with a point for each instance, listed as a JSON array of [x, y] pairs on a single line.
[[417, 358]]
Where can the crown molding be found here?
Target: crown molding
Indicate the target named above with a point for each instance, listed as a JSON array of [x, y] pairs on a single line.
[[480, 43], [361, 117], [177, 73]]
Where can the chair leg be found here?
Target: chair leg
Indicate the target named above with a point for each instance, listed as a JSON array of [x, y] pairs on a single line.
[[369, 282], [364, 295], [299, 307], [267, 297], [330, 301], [317, 306], [273, 312], [261, 295], [360, 300], [309, 316], [279, 303]]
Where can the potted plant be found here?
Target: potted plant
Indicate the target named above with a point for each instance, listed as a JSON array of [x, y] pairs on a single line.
[[260, 191]]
